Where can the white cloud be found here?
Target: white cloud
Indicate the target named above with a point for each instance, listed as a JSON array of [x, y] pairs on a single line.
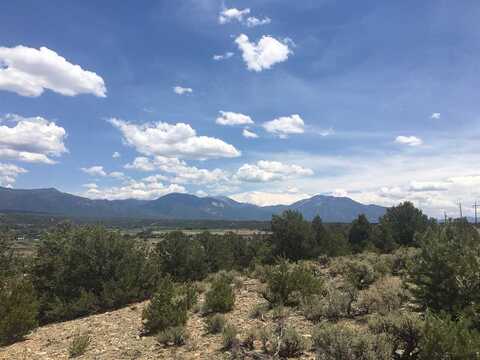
[[179, 90], [252, 21], [228, 15], [28, 72], [145, 189], [94, 171], [409, 140], [116, 155], [265, 171], [436, 116], [285, 125], [9, 173], [428, 186], [263, 55], [32, 139], [232, 118], [179, 140], [182, 173], [225, 56], [263, 198], [98, 170], [340, 193], [249, 134]]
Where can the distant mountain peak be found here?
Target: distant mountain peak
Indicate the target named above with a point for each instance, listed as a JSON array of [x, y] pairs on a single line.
[[180, 206]]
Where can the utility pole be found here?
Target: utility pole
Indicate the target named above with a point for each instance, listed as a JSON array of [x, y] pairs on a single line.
[[475, 206], [460, 207], [445, 215]]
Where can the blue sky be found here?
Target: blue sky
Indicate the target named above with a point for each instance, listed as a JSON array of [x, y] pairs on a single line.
[[375, 100]]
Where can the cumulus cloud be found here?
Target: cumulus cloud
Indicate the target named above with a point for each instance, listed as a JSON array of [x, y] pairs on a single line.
[[436, 116], [221, 57], [179, 90], [182, 173], [264, 54], [249, 134], [264, 171], [428, 186], [9, 173], [145, 189], [29, 71], [179, 140], [98, 170], [33, 139], [409, 140], [116, 155], [264, 198], [285, 125], [232, 118]]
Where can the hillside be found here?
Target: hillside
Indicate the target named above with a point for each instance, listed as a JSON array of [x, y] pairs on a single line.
[[179, 206]]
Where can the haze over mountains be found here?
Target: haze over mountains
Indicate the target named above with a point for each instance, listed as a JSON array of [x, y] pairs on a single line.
[[179, 206]]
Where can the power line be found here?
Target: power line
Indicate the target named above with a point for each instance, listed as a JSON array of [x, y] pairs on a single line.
[[475, 206]]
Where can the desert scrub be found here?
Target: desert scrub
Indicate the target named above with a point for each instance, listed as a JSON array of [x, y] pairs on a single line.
[[288, 284], [405, 330], [333, 305], [79, 345], [249, 341], [230, 337], [292, 344], [259, 311], [168, 308], [215, 323], [176, 336], [384, 296], [221, 297], [334, 342]]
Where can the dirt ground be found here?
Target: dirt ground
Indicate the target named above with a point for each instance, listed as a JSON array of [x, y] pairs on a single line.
[[115, 335]]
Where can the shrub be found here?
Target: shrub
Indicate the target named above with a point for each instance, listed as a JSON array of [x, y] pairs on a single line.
[[279, 312], [335, 304], [79, 345], [259, 311], [445, 338], [176, 336], [288, 284], [340, 342], [360, 273], [230, 337], [189, 293], [360, 234], [270, 340], [292, 344], [166, 309], [384, 296], [249, 341], [18, 309], [405, 330], [215, 323], [220, 297]]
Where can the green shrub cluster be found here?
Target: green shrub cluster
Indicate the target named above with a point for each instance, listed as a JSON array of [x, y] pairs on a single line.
[[176, 336], [221, 297], [168, 308], [288, 284], [341, 342]]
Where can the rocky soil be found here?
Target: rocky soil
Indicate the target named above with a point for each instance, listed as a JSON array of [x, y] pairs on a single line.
[[116, 335]]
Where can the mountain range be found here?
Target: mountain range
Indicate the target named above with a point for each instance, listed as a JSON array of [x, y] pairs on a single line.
[[179, 206]]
